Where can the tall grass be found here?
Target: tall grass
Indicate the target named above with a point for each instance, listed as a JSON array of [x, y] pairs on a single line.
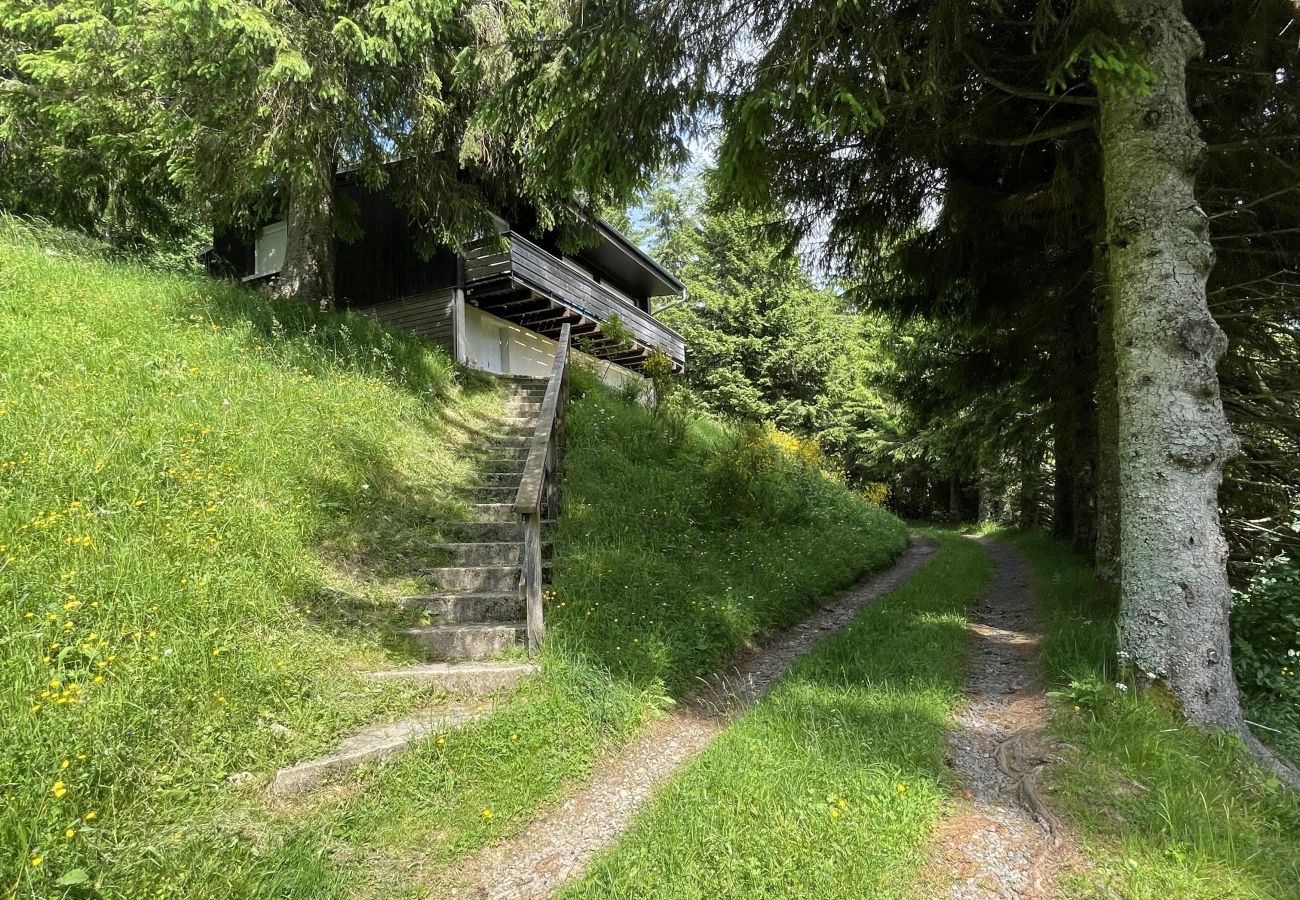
[[174, 453], [683, 541], [1162, 809]]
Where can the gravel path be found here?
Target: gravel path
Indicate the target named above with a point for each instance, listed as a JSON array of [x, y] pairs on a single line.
[[557, 847], [1000, 841]]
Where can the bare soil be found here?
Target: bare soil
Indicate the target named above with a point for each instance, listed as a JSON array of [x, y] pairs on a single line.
[[1001, 840]]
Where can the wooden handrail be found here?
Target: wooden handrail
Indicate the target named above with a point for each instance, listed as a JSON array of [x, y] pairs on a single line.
[[537, 488]]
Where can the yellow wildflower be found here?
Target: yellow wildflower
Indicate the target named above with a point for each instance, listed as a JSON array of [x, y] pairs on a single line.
[[59, 789]]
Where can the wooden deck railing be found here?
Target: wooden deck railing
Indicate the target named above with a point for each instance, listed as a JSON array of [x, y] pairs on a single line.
[[539, 490], [546, 274]]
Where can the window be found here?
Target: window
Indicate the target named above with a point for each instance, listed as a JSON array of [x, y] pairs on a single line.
[[272, 242]]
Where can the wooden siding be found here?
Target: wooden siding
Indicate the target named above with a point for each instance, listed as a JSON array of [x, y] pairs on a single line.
[[428, 315], [527, 264], [383, 264]]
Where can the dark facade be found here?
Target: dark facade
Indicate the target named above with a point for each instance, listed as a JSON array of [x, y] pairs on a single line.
[[531, 283]]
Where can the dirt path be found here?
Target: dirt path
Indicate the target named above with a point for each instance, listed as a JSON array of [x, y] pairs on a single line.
[[557, 847], [1001, 841]]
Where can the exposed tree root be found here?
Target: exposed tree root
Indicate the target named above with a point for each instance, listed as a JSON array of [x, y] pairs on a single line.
[[1270, 761]]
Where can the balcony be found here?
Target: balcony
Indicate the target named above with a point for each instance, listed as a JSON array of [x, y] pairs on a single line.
[[534, 289]]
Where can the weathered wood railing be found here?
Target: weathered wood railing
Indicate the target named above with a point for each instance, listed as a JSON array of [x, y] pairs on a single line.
[[530, 265], [539, 490]]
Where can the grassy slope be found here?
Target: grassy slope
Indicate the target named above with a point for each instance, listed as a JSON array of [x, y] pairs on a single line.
[[173, 454], [831, 785], [206, 503], [1162, 809]]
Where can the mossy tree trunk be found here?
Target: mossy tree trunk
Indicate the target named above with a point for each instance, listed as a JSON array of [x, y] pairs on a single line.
[[1173, 437]]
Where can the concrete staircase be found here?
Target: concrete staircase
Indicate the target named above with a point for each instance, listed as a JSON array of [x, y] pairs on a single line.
[[475, 607], [475, 636]]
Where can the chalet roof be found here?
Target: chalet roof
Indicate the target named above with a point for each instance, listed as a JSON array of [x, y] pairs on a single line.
[[618, 255]]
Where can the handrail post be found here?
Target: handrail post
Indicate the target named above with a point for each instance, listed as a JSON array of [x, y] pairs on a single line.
[[532, 572], [537, 495]]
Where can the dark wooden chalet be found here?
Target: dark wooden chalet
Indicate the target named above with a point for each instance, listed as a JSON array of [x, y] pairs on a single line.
[[499, 307]]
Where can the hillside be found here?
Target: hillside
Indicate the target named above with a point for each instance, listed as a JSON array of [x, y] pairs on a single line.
[[209, 505]]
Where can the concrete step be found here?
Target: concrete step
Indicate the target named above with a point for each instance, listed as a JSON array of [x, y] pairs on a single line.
[[503, 479], [465, 679], [490, 532], [523, 407], [474, 579], [493, 493], [515, 422], [499, 455], [373, 744], [468, 608], [495, 512], [470, 641], [505, 432], [485, 553], [511, 442]]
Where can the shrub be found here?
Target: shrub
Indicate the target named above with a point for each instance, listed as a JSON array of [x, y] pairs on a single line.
[[1266, 631]]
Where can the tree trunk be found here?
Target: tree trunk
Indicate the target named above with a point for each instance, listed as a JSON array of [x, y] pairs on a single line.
[[988, 496], [1106, 553], [1083, 536], [1027, 499], [1066, 460], [1083, 503], [1172, 432], [954, 499], [308, 270]]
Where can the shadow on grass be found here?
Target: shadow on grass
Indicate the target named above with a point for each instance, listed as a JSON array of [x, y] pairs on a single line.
[[329, 342], [382, 532]]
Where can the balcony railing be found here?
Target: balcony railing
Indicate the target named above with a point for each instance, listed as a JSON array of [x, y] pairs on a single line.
[[525, 264]]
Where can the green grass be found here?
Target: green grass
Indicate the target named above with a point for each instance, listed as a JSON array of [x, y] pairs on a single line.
[[682, 541], [192, 482], [830, 786], [1161, 809], [207, 505]]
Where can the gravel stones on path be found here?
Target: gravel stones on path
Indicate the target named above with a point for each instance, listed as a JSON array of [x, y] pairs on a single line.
[[1001, 841], [558, 846]]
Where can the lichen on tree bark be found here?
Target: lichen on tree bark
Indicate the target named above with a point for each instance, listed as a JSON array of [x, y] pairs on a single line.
[[1173, 436]]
